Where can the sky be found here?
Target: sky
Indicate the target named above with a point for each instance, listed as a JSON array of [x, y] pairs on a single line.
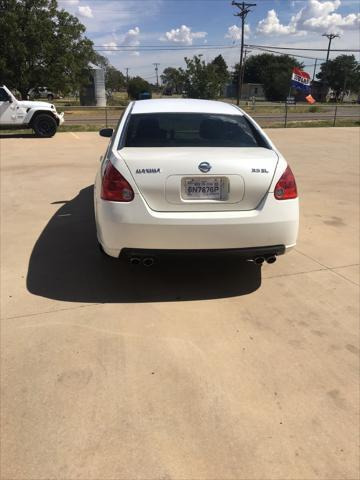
[[209, 27]]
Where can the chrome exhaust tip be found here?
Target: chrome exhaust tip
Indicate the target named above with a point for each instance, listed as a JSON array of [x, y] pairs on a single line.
[[259, 260], [135, 260], [148, 262], [271, 259]]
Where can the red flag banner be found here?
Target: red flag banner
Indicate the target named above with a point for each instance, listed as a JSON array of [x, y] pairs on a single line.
[[300, 80]]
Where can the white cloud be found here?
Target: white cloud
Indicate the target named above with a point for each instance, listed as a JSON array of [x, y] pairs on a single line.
[[110, 47], [131, 39], [319, 16], [182, 35], [234, 32], [271, 25], [85, 11], [315, 16], [68, 3]]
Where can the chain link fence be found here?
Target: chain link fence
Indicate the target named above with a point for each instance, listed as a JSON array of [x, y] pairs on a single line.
[[266, 115]]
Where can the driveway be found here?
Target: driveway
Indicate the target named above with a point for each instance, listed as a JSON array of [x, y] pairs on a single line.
[[193, 369]]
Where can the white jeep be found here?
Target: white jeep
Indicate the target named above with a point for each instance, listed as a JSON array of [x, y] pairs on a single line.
[[42, 117]]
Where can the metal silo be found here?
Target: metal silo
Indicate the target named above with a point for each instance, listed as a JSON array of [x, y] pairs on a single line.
[[94, 94]]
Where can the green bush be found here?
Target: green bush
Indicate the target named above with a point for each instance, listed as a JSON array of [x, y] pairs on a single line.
[[136, 86], [313, 109]]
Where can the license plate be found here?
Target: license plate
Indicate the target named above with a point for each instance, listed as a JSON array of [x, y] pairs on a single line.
[[199, 188]]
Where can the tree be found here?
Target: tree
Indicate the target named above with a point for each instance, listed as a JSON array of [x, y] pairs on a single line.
[[42, 45], [273, 71], [136, 86], [221, 67], [341, 74], [174, 79], [114, 79], [203, 80]]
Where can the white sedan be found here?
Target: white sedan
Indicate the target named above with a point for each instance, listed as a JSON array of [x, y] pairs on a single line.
[[195, 176]]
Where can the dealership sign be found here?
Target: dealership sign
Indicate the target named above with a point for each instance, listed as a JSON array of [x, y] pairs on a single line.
[[300, 80]]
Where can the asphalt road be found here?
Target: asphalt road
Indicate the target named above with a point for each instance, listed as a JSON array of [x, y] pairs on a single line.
[[194, 369]]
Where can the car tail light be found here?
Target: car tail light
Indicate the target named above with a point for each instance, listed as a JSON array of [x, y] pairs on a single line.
[[115, 187], [286, 186]]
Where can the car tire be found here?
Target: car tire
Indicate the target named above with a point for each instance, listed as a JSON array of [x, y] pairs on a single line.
[[50, 97], [44, 125]]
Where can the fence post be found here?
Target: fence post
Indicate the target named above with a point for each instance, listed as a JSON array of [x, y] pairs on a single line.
[[286, 114], [106, 117], [335, 113]]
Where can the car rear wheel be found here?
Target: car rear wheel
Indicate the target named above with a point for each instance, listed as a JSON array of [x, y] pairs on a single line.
[[44, 126]]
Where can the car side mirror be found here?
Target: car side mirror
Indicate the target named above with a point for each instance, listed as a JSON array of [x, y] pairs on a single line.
[[106, 132]]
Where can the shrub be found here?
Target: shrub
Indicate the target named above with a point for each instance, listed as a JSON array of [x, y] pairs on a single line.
[[313, 109], [136, 86]]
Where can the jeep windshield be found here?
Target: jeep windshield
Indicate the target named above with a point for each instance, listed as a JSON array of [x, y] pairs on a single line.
[[190, 130]]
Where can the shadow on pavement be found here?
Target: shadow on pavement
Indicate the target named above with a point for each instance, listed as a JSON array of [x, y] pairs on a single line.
[[67, 265], [17, 135]]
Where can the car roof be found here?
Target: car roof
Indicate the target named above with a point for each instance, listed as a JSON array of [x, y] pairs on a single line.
[[184, 105]]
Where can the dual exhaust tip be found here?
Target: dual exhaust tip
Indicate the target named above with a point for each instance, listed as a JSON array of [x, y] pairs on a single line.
[[146, 261], [261, 260]]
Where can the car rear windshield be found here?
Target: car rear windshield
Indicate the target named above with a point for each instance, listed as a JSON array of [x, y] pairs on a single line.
[[190, 130]]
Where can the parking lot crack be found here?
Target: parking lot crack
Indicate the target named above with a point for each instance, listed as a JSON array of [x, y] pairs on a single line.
[[311, 258], [333, 270], [51, 311]]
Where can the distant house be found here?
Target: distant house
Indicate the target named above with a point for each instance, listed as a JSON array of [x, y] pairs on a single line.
[[253, 90], [249, 91]]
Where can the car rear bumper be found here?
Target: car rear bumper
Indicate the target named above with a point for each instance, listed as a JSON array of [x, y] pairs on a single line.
[[254, 252], [134, 226]]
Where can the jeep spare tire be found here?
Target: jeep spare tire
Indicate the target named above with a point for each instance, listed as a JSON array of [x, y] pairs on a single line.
[[44, 125]]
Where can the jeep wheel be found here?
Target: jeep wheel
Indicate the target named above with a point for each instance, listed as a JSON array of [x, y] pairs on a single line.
[[44, 126]]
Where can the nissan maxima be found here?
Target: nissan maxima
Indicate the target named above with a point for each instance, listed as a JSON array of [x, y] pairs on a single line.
[[185, 175]]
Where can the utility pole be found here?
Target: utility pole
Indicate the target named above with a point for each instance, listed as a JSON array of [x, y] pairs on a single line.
[[157, 73], [246, 51], [127, 79], [314, 69], [330, 37], [244, 9]]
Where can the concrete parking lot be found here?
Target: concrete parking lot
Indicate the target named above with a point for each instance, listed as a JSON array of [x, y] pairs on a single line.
[[193, 369]]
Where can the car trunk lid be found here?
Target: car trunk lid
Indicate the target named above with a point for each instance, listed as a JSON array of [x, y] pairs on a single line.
[[201, 179]]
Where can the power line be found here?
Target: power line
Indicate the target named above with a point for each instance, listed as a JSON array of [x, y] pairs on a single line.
[[120, 48], [194, 47], [305, 49], [281, 53]]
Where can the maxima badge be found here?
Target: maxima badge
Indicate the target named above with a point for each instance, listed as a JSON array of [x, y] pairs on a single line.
[[204, 167]]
